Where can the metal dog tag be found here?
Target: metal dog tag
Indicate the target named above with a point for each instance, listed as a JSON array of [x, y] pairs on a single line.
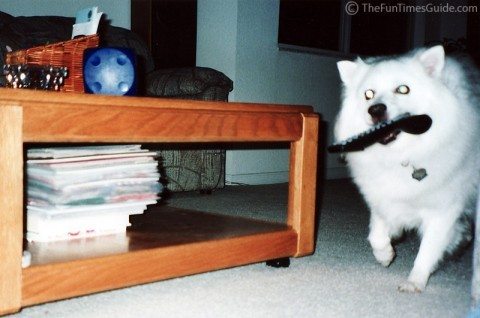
[[419, 174]]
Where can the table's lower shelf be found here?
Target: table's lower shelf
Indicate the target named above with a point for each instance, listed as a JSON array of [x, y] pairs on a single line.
[[162, 244]]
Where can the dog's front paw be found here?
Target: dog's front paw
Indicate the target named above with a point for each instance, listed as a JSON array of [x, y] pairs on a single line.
[[410, 287], [385, 255]]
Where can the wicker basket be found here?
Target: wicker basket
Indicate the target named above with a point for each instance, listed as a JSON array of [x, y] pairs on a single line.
[[68, 53]]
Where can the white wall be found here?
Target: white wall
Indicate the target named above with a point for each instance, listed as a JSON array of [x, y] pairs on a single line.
[[118, 11], [240, 39], [217, 35]]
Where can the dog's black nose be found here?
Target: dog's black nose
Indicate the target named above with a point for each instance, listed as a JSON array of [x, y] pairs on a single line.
[[377, 111]]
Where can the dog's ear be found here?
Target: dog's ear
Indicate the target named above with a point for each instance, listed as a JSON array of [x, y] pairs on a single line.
[[433, 60], [347, 70]]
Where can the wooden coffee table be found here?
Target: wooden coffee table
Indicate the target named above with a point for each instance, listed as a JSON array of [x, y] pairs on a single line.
[[173, 242]]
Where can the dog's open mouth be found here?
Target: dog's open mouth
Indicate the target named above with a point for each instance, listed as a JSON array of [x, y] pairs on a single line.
[[390, 137]]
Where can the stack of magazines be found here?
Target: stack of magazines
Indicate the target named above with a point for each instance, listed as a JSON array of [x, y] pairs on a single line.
[[75, 192]]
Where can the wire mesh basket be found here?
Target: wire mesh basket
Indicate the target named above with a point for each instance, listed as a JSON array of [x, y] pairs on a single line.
[[60, 54]]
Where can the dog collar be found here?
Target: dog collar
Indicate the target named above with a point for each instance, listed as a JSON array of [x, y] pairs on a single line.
[[418, 173]]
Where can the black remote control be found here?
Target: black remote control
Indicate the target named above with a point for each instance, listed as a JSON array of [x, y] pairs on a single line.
[[416, 124]]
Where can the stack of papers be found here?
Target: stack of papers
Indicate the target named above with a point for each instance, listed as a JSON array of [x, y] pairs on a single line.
[[75, 192]]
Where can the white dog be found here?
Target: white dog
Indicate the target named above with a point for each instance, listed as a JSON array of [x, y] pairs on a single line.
[[424, 182]]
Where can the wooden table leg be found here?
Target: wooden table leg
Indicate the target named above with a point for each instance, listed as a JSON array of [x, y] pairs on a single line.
[[302, 185], [11, 208]]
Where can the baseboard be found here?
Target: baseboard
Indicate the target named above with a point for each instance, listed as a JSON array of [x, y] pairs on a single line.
[[278, 177], [257, 178], [337, 173]]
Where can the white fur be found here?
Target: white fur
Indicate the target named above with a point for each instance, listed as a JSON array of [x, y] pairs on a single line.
[[446, 90]]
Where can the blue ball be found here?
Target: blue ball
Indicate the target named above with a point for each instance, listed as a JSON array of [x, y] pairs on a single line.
[[109, 70]]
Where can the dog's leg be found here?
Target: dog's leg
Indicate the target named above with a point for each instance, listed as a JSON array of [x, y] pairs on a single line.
[[437, 236], [380, 241]]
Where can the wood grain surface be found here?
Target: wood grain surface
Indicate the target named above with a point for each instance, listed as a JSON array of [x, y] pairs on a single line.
[[302, 186], [44, 97], [11, 208], [79, 123], [166, 245]]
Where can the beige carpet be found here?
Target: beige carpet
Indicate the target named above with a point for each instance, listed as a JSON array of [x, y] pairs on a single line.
[[341, 279]]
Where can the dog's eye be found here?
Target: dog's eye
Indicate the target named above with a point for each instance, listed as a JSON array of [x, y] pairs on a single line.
[[402, 89], [369, 94]]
